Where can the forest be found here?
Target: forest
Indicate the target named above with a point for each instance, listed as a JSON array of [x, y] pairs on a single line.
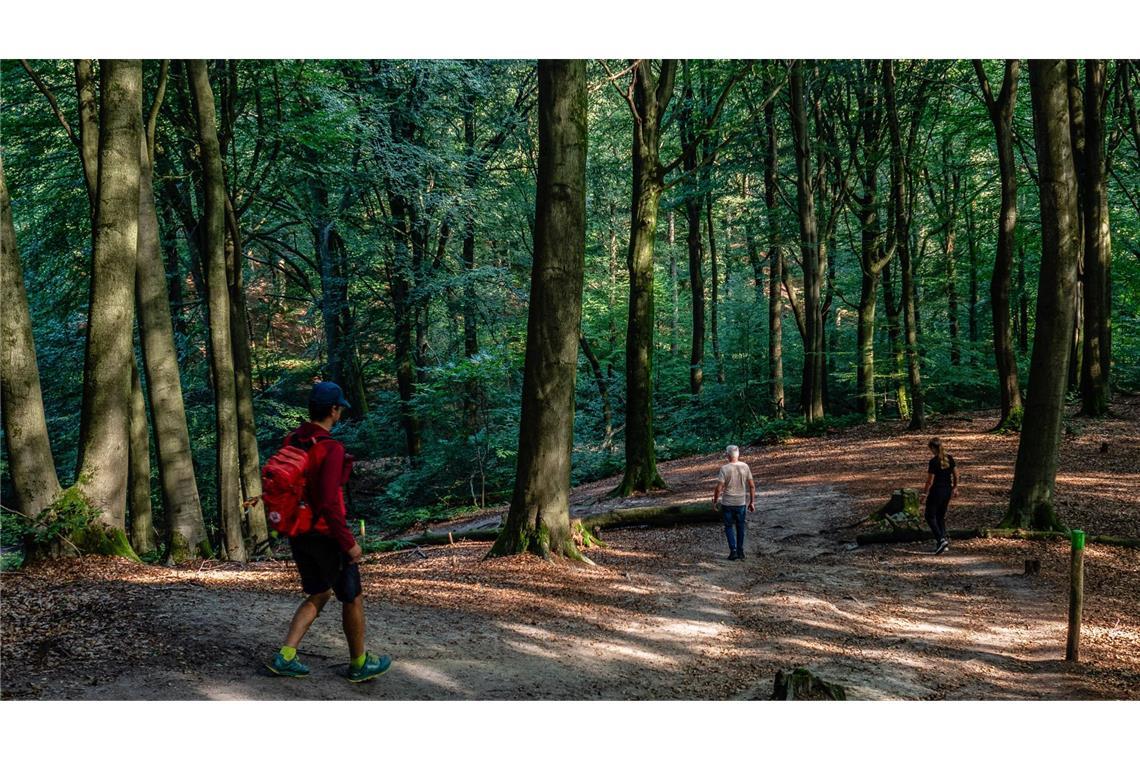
[[531, 279]]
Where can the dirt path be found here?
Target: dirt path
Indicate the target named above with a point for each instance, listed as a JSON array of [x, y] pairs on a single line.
[[662, 616]]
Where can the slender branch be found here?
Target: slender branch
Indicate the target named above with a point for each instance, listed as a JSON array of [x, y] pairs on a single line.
[[42, 87], [152, 119]]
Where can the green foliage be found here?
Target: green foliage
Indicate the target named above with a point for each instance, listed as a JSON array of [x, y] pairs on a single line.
[[68, 515]]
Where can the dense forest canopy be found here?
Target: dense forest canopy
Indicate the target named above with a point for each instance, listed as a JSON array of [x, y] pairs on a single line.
[[374, 222]]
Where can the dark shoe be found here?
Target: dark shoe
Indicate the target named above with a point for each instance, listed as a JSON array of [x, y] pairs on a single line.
[[943, 545], [282, 667], [731, 556], [372, 667], [740, 554]]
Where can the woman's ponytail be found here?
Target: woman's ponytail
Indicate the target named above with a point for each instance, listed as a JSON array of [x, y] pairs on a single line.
[[943, 460]]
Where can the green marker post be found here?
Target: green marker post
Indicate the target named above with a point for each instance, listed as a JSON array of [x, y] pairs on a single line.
[[362, 529], [1076, 595]]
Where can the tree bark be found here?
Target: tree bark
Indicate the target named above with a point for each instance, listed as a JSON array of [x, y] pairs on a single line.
[[249, 457], [714, 272], [1097, 359], [539, 517], [472, 394], [185, 526], [775, 267], [900, 196], [1031, 499], [30, 462], [138, 491], [689, 142], [105, 421], [1001, 114], [812, 254], [218, 299], [650, 98]]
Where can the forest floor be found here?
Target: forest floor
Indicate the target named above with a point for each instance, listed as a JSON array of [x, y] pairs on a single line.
[[662, 615]]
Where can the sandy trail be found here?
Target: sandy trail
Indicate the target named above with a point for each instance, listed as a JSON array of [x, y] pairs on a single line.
[[662, 616]]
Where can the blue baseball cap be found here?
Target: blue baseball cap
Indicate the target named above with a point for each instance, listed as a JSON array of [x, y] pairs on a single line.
[[328, 393]]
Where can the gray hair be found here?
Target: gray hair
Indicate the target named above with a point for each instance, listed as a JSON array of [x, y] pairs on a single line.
[[733, 451]]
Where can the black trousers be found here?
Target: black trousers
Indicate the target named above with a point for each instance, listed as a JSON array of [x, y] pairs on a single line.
[[936, 503]]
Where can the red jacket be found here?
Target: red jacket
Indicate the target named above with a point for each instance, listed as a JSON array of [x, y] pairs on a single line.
[[329, 468]]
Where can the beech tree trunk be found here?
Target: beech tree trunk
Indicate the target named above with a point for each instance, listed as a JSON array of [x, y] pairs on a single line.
[[812, 254], [185, 526], [775, 268], [138, 490], [650, 98], [218, 298], [1031, 499], [104, 444], [1096, 360], [1001, 114], [714, 267], [689, 141], [901, 189], [31, 466], [249, 456], [471, 392], [539, 517]]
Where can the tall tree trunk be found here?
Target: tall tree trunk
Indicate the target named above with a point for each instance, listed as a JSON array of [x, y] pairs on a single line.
[[539, 517], [949, 251], [1031, 499], [775, 267], [894, 335], [471, 389], [1022, 307], [714, 268], [811, 390], [401, 302], [249, 457], [31, 466], [185, 526], [650, 98], [1097, 358], [900, 196], [1080, 164], [105, 422], [138, 490], [1001, 114], [674, 287], [689, 145], [972, 306], [218, 299]]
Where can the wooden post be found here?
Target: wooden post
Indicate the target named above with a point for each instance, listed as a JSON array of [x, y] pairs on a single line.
[[1076, 596]]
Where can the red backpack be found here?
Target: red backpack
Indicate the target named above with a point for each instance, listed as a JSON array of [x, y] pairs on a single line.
[[283, 480]]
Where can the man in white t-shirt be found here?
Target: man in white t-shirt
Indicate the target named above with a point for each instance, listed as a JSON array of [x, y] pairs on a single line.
[[735, 490]]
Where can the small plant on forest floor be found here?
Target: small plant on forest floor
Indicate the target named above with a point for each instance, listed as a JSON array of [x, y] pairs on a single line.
[[1012, 423]]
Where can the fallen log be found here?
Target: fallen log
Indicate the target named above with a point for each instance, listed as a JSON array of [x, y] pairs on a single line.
[[661, 517], [911, 535]]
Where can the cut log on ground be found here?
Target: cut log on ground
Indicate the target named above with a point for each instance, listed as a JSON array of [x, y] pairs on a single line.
[[912, 535], [802, 684]]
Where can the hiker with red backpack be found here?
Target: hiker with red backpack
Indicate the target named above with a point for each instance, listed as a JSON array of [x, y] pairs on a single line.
[[304, 500]]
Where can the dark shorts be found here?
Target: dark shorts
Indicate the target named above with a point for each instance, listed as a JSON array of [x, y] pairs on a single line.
[[324, 566]]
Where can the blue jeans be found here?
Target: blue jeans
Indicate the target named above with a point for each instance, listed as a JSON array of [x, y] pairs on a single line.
[[734, 524]]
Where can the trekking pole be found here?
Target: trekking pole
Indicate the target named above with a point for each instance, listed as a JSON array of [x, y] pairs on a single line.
[[1076, 595]]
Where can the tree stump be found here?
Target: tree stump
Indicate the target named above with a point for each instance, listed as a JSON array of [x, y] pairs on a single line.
[[902, 509], [801, 684]]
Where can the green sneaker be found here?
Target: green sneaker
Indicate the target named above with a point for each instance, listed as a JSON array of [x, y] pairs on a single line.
[[372, 667], [293, 668]]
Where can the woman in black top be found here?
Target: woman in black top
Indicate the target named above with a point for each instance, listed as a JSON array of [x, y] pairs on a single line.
[[941, 484]]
